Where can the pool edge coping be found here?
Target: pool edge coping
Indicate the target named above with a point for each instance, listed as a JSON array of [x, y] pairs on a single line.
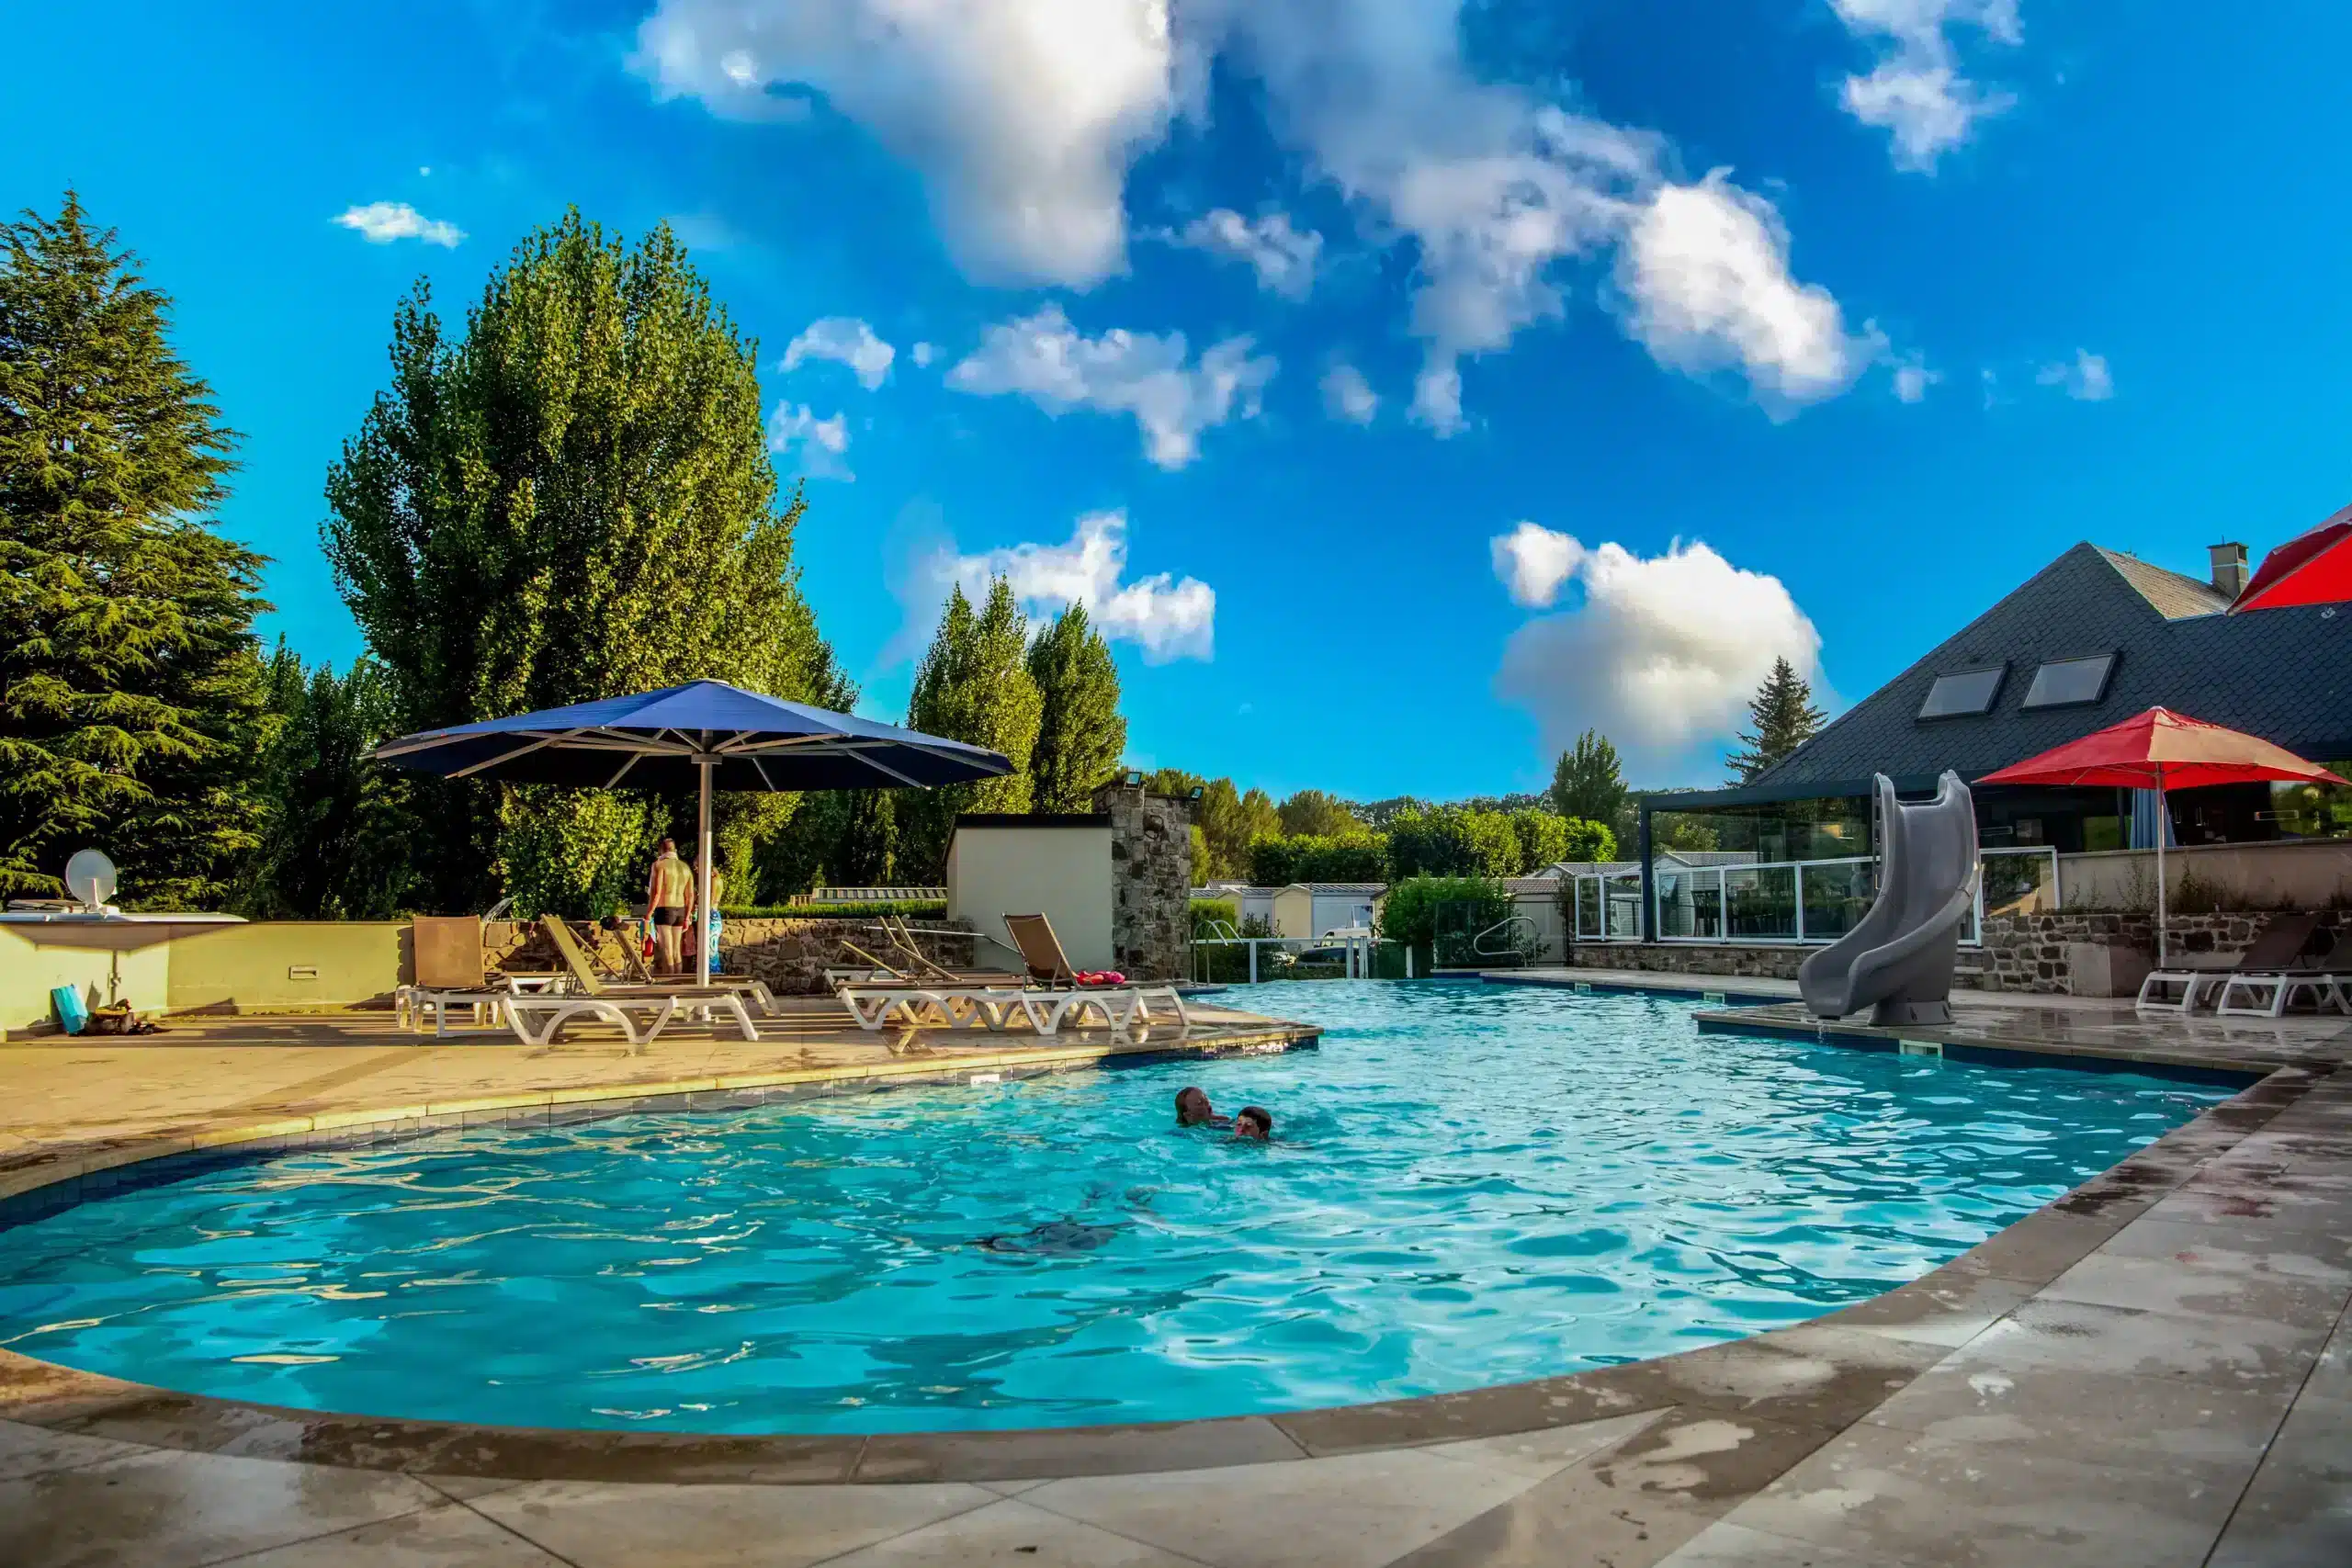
[[1863, 1344]]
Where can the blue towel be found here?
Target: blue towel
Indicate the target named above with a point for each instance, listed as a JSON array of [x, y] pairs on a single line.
[[71, 1013]]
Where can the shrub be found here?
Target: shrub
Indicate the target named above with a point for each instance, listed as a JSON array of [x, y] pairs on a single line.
[[1207, 912], [1411, 912], [1346, 857], [833, 912]]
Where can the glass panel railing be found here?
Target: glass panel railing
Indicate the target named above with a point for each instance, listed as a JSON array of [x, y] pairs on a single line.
[[1836, 894], [1589, 912], [1624, 898], [1762, 902]]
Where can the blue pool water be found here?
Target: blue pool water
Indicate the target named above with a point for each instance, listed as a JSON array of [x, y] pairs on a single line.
[[1470, 1185]]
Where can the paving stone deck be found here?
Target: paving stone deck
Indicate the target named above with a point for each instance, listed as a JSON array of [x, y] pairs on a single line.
[[2155, 1370]]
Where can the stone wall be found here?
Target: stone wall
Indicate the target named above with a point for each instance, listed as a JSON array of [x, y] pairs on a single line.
[[1151, 881], [2028, 952], [1759, 962], [790, 956]]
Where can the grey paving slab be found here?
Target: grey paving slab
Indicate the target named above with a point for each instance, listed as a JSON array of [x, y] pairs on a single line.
[[448, 1536], [1355, 1511], [1726, 1545], [595, 1525], [2232, 1352], [2332, 1378], [2122, 1420], [30, 1450], [1894, 1497], [167, 1509], [2298, 1512], [1539, 1455], [2233, 1285], [2254, 1247], [1009, 1533]]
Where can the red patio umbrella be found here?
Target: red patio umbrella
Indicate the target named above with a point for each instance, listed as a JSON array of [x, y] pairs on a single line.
[[2161, 750]]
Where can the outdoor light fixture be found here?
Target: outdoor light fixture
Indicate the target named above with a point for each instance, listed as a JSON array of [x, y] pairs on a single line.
[[1195, 794], [1135, 780]]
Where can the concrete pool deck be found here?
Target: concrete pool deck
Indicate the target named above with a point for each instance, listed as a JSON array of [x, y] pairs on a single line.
[[2153, 1370]]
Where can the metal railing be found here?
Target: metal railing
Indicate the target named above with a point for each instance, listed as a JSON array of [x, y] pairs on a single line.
[[1355, 949], [1794, 902]]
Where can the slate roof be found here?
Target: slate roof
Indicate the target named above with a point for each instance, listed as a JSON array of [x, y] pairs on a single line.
[[2284, 675]]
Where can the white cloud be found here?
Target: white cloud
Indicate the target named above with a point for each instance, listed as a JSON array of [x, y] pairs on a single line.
[[1534, 563], [1174, 399], [1021, 114], [796, 434], [1912, 380], [1659, 652], [847, 340], [1348, 396], [2086, 378], [381, 222], [1168, 617], [1916, 93], [1284, 257], [923, 354], [1707, 270]]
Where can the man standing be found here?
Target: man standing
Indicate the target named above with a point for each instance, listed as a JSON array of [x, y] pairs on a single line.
[[669, 893]]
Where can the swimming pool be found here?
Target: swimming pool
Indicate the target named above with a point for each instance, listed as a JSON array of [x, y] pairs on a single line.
[[1470, 1185]]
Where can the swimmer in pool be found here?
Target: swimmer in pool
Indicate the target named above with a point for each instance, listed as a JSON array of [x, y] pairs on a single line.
[[1254, 1122], [1192, 1110]]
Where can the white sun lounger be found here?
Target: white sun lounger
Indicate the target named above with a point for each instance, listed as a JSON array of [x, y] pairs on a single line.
[[992, 1006], [2268, 996], [536, 1019]]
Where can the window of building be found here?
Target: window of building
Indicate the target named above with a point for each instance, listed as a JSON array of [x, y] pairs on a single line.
[[1962, 693], [2064, 682]]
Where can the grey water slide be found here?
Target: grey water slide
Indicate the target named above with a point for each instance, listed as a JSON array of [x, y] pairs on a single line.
[[1898, 961]]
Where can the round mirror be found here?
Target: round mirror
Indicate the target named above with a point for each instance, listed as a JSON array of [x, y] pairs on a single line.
[[89, 876]]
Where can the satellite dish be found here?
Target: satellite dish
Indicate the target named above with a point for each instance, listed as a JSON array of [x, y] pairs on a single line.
[[89, 876]]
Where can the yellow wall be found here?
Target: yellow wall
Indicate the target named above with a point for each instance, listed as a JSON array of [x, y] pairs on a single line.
[[1294, 912], [1064, 873], [257, 967], [28, 969], [159, 968]]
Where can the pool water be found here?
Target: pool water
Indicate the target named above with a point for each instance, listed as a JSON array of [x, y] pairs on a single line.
[[1469, 1185]]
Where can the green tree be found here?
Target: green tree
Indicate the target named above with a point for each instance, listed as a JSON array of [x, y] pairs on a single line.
[[573, 499], [1314, 812], [1173, 781], [1543, 840], [131, 703], [973, 685], [1587, 781], [1589, 841], [1231, 822], [1783, 717], [1447, 841], [335, 846], [1080, 735]]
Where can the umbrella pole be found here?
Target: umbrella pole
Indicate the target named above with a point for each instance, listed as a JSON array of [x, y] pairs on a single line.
[[702, 876], [2163, 831]]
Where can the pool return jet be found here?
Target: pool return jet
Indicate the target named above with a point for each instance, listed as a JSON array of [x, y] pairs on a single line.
[[1898, 961]]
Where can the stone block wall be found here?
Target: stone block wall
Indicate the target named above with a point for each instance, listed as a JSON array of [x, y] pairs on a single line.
[[1759, 962], [2028, 953], [1151, 881], [790, 956]]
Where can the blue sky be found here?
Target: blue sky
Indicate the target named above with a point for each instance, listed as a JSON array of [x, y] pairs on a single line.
[[1882, 302]]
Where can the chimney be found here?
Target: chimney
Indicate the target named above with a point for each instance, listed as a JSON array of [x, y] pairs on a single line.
[[2229, 570]]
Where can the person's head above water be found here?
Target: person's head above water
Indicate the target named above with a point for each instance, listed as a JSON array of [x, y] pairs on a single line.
[[1193, 1107], [1253, 1121]]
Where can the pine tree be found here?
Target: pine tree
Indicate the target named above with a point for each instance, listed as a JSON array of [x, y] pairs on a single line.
[[973, 685], [131, 686], [1784, 719], [1080, 735], [572, 501], [1587, 781]]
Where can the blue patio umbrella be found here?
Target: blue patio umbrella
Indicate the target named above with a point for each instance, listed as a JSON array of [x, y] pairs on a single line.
[[706, 733]]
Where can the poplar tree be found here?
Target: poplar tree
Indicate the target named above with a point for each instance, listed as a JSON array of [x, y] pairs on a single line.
[[1080, 735], [130, 687], [571, 499], [1784, 719], [973, 685]]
